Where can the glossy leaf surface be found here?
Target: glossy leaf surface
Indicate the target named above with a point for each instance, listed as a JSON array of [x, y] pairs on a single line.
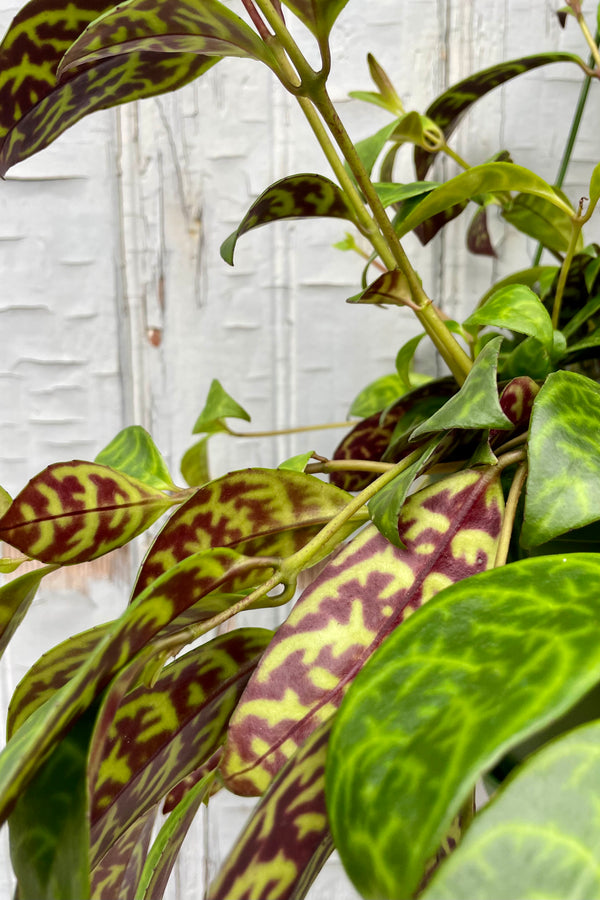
[[287, 838], [205, 27], [318, 15], [258, 512], [294, 197], [476, 405], [49, 828], [199, 578], [563, 487], [541, 220], [449, 530], [134, 452], [489, 662], [484, 179], [517, 308], [16, 596], [35, 110], [449, 108], [117, 875], [377, 395], [76, 511], [183, 719], [384, 508], [390, 288], [545, 821]]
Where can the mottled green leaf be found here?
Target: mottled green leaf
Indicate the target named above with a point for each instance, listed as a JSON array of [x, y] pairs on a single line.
[[528, 358], [287, 839], [185, 713], [318, 15], [194, 463], [76, 511], [563, 487], [205, 27], [476, 405], [449, 531], [448, 109], [118, 873], [134, 452], [198, 578], [378, 394], [538, 218], [486, 664], [297, 463], [35, 110], [517, 308], [258, 512], [484, 179], [370, 439], [391, 287], [385, 507], [163, 853], [294, 197], [49, 827], [219, 406], [16, 596], [545, 821]]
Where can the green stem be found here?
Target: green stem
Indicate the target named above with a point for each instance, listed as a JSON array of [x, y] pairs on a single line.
[[564, 271], [591, 41], [509, 515], [348, 465], [454, 155], [350, 423]]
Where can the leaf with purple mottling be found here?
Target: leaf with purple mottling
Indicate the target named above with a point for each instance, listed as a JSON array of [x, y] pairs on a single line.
[[287, 839], [145, 742], [258, 512], [295, 197], [117, 875], [76, 511], [15, 599], [450, 531]]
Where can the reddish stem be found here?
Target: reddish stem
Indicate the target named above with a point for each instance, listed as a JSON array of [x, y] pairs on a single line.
[[257, 21]]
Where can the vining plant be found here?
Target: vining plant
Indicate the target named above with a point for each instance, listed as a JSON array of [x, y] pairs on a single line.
[[447, 630]]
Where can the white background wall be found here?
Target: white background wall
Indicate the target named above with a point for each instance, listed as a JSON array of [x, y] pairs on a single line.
[[115, 307]]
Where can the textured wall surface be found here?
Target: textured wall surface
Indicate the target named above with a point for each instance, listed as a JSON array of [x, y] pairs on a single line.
[[115, 307]]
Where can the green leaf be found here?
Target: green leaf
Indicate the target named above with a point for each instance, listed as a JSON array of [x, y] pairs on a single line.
[[405, 356], [35, 109], [134, 452], [591, 273], [390, 193], [563, 487], [297, 463], [528, 358], [76, 511], [258, 512], [538, 218], [476, 405], [49, 828], [318, 15], [205, 27], [370, 148], [294, 197], [9, 564], [219, 406], [586, 312], [590, 340], [484, 179], [529, 277], [449, 531], [287, 840], [595, 185], [385, 507], [194, 463], [5, 501], [448, 109], [416, 129], [517, 308], [490, 661], [378, 394], [545, 821], [15, 599], [163, 853]]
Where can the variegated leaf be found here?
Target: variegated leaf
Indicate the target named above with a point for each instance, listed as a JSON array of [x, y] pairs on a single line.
[[154, 877], [259, 512], [167, 597], [370, 439], [117, 875], [134, 452], [294, 197], [76, 511], [35, 110], [450, 531], [205, 27], [390, 288], [318, 15], [287, 840], [150, 739], [15, 599], [516, 402]]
